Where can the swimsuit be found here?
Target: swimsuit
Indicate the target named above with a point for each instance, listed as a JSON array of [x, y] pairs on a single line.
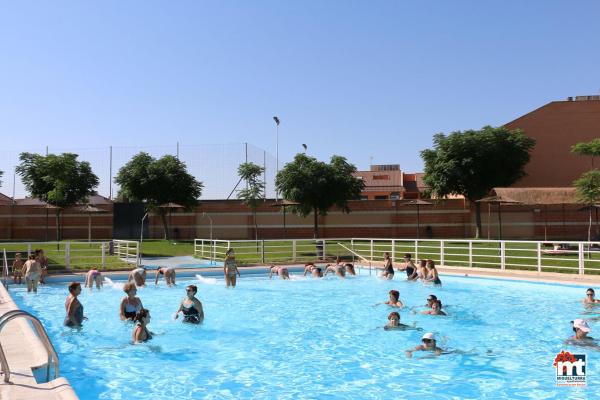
[[389, 270], [148, 334], [78, 316], [190, 314], [131, 310], [409, 271], [231, 268]]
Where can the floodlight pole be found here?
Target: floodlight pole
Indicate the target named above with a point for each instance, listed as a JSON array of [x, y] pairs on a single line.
[[141, 238], [276, 119]]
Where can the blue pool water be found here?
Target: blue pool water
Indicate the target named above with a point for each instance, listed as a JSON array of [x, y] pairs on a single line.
[[311, 338]]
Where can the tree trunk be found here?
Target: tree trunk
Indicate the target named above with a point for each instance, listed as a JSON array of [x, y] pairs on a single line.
[[58, 225], [478, 220], [163, 216], [316, 223]]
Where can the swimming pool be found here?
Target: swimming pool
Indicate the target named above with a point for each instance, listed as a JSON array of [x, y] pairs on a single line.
[[311, 338]]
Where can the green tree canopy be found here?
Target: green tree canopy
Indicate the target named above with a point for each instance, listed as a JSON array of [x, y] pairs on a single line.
[[471, 163], [255, 187], [591, 148], [60, 180], [318, 186], [588, 192], [157, 182]]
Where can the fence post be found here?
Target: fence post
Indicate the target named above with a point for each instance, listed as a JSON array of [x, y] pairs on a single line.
[[103, 250], [28, 249], [581, 259], [324, 248], [393, 251], [294, 250], [371, 250], [470, 254], [441, 253], [539, 257], [352, 244], [262, 251], [416, 249], [503, 255], [68, 255]]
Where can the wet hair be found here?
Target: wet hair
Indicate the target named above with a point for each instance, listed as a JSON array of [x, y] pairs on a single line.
[[319, 269], [31, 257], [73, 286], [590, 290], [432, 297], [407, 255], [392, 314], [194, 288], [229, 251], [143, 313], [128, 286], [423, 263], [430, 264], [395, 293]]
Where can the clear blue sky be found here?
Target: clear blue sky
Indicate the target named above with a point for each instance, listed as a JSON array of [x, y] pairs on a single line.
[[356, 78]]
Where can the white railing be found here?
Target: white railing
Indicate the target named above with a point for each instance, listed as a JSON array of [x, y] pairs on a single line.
[[565, 256], [73, 255]]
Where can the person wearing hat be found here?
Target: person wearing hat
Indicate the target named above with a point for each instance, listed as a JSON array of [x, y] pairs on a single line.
[[429, 344], [581, 329]]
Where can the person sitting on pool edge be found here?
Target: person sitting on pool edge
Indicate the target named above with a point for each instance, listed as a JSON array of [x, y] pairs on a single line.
[[230, 268], [73, 307], [168, 273], [130, 304], [140, 332], [429, 344], [436, 309], [191, 307], [388, 269], [93, 276], [138, 276], [590, 297], [315, 271], [283, 272]]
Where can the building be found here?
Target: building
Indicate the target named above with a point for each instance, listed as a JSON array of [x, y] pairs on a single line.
[[388, 182], [556, 127]]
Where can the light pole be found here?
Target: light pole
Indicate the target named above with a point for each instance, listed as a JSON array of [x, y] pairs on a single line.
[[276, 119]]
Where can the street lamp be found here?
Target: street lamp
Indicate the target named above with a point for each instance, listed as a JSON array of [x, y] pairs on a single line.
[[276, 119]]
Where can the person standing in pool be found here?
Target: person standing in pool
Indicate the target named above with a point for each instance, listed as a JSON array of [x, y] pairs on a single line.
[[43, 260], [168, 273], [408, 266], [230, 268], [394, 300], [432, 273], [17, 269], [350, 269], [191, 307], [130, 304], [32, 272], [138, 276], [73, 307], [337, 269], [315, 271], [283, 272], [388, 269], [590, 297], [93, 276], [429, 344], [140, 332]]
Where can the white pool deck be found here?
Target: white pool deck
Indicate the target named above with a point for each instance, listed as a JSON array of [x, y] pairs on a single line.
[[24, 351]]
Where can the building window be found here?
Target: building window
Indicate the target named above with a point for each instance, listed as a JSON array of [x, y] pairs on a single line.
[[381, 197], [395, 196]]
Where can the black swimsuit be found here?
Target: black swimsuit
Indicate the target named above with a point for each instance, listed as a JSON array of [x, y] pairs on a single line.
[[191, 315], [389, 270]]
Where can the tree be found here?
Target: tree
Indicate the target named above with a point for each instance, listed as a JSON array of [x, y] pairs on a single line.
[[156, 182], [318, 186], [473, 162], [591, 149], [253, 193], [588, 192], [59, 180]]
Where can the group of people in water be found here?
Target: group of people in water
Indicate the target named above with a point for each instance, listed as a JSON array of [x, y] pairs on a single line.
[[34, 269]]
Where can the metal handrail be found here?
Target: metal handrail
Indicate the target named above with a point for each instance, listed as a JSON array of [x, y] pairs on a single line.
[[41, 332], [357, 255]]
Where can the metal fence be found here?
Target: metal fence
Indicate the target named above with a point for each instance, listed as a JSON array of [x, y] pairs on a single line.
[[72, 255], [215, 165], [566, 256]]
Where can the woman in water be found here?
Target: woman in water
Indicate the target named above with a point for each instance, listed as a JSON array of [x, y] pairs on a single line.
[[141, 332], [436, 309], [394, 300], [394, 323], [73, 307], [131, 304], [388, 269], [138, 276], [315, 271], [93, 276], [337, 269], [32, 271], [43, 260], [409, 267], [17, 269], [350, 269], [168, 273], [283, 272], [590, 297], [432, 298], [230, 268], [432, 273], [429, 344], [191, 307]]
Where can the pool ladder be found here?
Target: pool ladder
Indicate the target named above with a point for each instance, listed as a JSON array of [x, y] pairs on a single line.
[[41, 332]]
